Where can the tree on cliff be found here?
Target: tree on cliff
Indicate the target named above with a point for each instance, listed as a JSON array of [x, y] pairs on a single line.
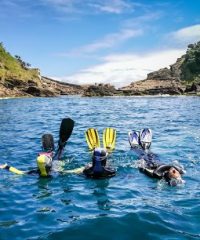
[[23, 63], [191, 65]]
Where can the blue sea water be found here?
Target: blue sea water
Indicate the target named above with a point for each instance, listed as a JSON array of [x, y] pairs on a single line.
[[127, 206]]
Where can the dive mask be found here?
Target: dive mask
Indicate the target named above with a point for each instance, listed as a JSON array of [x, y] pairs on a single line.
[[176, 181]]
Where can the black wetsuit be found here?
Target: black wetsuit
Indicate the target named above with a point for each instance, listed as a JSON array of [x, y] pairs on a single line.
[[104, 173], [152, 167], [99, 170]]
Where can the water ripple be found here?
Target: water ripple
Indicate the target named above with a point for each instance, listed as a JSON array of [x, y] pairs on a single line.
[[128, 206]]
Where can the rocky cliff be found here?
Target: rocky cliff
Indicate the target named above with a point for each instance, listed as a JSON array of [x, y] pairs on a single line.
[[100, 90], [183, 77], [17, 79]]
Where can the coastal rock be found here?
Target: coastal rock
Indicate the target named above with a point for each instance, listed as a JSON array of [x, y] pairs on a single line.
[[100, 90], [182, 77], [17, 79], [161, 74], [194, 88], [40, 92], [7, 92], [62, 88], [154, 87]]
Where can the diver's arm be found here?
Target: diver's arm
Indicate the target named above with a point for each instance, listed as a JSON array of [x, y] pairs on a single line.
[[76, 170], [12, 169]]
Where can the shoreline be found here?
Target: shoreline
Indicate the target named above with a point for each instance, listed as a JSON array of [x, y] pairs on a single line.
[[120, 96]]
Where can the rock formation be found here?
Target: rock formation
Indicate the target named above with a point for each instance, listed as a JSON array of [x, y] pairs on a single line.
[[183, 77], [100, 90], [17, 79]]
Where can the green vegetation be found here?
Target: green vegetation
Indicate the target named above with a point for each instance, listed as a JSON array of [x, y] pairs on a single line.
[[190, 68], [14, 68]]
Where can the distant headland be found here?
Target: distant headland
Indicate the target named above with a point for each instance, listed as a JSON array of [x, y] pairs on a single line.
[[18, 79]]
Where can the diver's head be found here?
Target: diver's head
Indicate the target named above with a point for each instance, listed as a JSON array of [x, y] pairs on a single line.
[[99, 159], [174, 173], [173, 177], [44, 163]]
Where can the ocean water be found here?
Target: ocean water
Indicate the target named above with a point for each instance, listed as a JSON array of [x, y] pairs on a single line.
[[127, 206]]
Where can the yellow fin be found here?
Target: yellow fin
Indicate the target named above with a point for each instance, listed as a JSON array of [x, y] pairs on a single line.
[[92, 138], [109, 139]]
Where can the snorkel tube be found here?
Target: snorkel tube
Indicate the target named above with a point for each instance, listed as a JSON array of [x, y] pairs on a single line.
[[44, 163]]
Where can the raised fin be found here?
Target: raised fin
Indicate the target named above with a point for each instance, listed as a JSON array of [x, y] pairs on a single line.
[[134, 138], [145, 138], [66, 128], [92, 138], [109, 139]]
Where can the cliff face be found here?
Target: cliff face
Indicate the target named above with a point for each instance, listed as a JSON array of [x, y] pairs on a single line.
[[182, 77], [17, 79]]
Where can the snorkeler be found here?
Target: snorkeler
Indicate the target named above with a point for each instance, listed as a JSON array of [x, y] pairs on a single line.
[[45, 159], [99, 168], [149, 164]]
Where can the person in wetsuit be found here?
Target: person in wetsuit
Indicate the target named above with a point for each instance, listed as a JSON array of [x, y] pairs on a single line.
[[99, 169], [44, 166], [149, 163], [171, 173]]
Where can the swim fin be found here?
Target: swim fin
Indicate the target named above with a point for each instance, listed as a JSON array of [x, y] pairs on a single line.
[[66, 128], [134, 138], [92, 138], [145, 138], [109, 138]]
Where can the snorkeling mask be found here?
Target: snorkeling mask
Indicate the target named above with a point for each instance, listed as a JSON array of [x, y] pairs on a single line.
[[176, 181], [44, 163], [99, 159]]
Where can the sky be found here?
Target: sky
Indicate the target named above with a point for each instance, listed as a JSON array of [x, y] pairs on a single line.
[[99, 41]]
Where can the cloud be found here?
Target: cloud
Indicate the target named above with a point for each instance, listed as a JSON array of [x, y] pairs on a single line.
[[122, 69], [108, 41], [112, 6], [130, 28], [145, 18], [92, 6], [69, 8], [186, 35]]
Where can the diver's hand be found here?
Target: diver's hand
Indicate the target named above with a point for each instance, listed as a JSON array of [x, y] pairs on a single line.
[[3, 166]]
